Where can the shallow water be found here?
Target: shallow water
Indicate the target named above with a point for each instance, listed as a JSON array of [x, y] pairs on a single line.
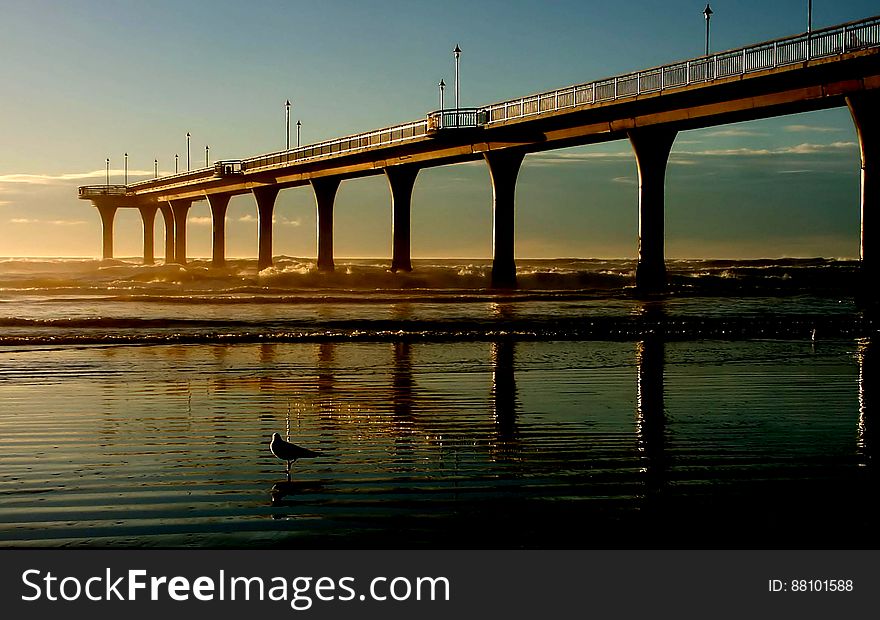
[[505, 444], [453, 417]]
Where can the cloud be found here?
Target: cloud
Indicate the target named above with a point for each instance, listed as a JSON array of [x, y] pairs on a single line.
[[3, 203], [24, 220], [798, 149], [625, 180], [734, 133], [811, 128], [552, 159], [200, 221], [275, 220], [51, 179]]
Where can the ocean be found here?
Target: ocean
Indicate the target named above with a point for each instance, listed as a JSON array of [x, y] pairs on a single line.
[[137, 403]]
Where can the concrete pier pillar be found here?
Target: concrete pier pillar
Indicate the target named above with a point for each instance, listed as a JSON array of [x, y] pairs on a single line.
[[652, 147], [325, 194], [148, 215], [218, 204], [168, 218], [864, 107], [401, 180], [265, 197], [108, 214], [180, 209], [503, 170]]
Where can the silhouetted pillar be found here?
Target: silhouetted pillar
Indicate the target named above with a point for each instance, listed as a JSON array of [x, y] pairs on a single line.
[[401, 180], [503, 169], [218, 204], [325, 194], [864, 109], [652, 146], [650, 410], [148, 215], [168, 218], [108, 214], [265, 197], [180, 209]]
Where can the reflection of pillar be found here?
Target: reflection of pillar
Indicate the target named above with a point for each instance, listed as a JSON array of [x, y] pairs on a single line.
[[504, 390], [108, 214], [148, 216], [218, 204], [869, 396], [652, 146], [325, 194], [326, 354], [401, 180], [650, 411], [268, 351], [180, 209], [402, 381], [503, 170], [168, 218], [265, 197], [863, 108]]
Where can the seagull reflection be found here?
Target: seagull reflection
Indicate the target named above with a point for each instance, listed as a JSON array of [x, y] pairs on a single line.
[[287, 488]]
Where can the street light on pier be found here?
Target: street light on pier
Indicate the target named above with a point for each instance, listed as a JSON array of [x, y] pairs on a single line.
[[457, 53], [108, 171], [155, 168], [187, 150], [207, 148], [287, 116], [442, 88], [708, 13], [176, 167], [298, 126], [125, 167], [809, 16]]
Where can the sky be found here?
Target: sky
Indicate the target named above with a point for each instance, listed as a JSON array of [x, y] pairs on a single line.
[[86, 80]]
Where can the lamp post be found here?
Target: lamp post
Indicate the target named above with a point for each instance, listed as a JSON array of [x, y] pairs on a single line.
[[108, 171], [298, 126], [442, 88], [187, 150], [125, 167], [176, 167], [155, 168], [708, 13], [457, 53], [207, 148], [809, 16], [287, 116]]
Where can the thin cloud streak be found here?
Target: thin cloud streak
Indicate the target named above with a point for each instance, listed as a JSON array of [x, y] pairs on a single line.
[[811, 128], [51, 179], [24, 220]]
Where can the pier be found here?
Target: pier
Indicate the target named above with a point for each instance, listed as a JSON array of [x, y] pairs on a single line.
[[833, 67]]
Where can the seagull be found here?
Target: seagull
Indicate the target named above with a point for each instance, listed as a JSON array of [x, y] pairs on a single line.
[[289, 452]]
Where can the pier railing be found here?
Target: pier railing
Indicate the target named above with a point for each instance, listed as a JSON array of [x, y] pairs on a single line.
[[824, 43], [761, 57], [456, 118], [88, 191]]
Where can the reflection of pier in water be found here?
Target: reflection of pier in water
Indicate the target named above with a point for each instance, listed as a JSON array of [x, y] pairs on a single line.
[[345, 392]]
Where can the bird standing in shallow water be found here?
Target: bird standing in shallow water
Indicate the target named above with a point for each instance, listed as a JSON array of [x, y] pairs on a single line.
[[289, 452]]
